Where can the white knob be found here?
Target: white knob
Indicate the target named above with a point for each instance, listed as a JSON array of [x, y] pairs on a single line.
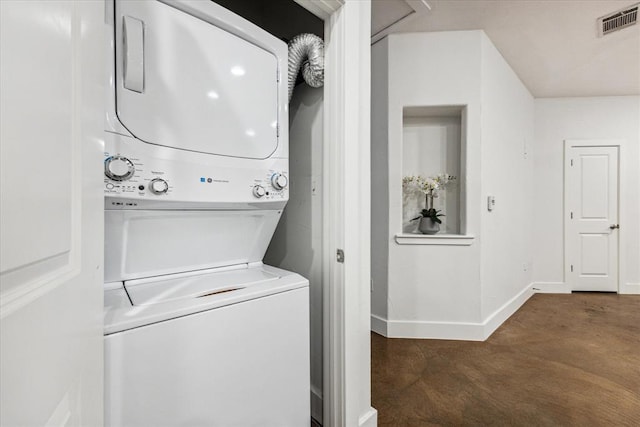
[[259, 191], [279, 181], [118, 168], [158, 186]]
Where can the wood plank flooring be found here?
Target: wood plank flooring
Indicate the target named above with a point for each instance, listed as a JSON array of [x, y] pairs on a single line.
[[561, 360]]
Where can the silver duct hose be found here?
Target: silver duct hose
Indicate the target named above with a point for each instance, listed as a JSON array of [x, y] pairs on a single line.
[[306, 51]]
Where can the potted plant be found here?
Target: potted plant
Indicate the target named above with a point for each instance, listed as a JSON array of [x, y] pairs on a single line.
[[429, 217], [429, 221]]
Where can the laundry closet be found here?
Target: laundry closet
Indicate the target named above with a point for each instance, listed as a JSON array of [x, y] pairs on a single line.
[[199, 169]]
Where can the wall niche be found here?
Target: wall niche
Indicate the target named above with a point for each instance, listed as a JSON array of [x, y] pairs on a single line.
[[433, 143]]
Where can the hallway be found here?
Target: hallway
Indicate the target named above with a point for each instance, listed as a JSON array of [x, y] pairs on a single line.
[[561, 360]]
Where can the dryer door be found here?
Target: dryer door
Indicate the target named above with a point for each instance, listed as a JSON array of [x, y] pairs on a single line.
[[184, 83]]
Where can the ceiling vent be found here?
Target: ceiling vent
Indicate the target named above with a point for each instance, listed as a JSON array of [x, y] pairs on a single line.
[[618, 20]]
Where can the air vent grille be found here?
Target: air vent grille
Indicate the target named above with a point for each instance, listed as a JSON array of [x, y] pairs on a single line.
[[618, 20]]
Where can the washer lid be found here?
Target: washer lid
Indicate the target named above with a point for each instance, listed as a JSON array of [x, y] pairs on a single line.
[[184, 83], [195, 285]]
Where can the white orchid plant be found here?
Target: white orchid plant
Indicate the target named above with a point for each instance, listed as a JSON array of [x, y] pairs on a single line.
[[429, 186]]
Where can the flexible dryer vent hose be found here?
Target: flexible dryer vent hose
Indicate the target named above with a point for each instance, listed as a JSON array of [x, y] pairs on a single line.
[[306, 51]]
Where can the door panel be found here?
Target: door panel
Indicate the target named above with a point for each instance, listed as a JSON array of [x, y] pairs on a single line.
[[594, 184], [51, 143], [191, 85], [591, 190], [594, 254]]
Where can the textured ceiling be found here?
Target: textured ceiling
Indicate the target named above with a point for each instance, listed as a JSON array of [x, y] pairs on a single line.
[[551, 44]]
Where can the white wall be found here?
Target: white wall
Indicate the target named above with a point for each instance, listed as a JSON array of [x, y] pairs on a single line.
[[433, 283], [584, 118], [424, 285], [379, 177], [297, 242], [507, 171], [436, 291]]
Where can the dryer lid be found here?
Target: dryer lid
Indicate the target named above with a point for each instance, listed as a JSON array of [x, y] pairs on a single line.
[[185, 83]]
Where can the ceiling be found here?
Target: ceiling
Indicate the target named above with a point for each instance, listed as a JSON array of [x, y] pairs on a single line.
[[552, 45]]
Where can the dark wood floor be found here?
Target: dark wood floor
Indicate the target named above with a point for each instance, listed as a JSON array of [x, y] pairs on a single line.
[[561, 360]]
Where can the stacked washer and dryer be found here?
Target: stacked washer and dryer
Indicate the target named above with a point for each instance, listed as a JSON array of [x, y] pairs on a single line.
[[197, 330]]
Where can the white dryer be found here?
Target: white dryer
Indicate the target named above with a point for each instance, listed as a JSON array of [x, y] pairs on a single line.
[[197, 330]]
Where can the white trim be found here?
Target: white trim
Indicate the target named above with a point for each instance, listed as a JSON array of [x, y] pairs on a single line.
[[347, 89], [333, 273], [420, 8], [630, 289], [498, 317], [436, 239], [550, 288], [435, 330], [623, 238], [369, 419], [379, 325], [464, 331], [323, 9]]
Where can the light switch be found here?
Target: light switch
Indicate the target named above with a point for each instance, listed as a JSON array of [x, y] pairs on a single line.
[[491, 202]]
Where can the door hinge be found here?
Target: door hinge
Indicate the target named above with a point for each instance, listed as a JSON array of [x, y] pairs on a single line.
[[572, 268], [340, 256], [571, 215], [278, 131], [571, 162]]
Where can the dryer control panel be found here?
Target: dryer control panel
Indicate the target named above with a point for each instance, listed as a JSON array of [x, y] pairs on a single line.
[[138, 174]]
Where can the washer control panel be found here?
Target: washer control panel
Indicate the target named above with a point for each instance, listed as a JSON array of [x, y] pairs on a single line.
[[271, 187], [131, 176], [127, 176]]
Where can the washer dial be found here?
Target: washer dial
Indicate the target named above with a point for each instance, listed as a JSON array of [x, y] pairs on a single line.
[[118, 168], [158, 186], [279, 181], [259, 191]]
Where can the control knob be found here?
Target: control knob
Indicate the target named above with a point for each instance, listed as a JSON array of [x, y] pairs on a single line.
[[279, 181], [118, 168], [259, 191], [158, 186]]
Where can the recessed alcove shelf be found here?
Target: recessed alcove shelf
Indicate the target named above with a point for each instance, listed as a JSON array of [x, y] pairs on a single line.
[[435, 239], [434, 142]]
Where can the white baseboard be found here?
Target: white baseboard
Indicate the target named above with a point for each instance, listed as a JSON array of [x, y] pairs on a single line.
[[563, 288], [316, 404], [379, 325], [550, 288], [630, 289], [494, 321], [435, 330], [463, 331], [369, 419]]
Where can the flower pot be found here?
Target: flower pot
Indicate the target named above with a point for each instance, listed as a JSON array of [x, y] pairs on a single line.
[[428, 226]]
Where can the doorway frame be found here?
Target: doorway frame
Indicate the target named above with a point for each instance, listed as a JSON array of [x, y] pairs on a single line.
[[346, 212], [622, 204]]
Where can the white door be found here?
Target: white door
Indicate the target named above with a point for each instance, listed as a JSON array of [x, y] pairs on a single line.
[[591, 194], [187, 84], [51, 214]]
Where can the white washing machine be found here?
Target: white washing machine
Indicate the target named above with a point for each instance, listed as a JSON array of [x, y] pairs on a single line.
[[197, 330]]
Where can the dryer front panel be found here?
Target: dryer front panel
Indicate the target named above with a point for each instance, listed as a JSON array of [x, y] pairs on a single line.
[[184, 83]]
